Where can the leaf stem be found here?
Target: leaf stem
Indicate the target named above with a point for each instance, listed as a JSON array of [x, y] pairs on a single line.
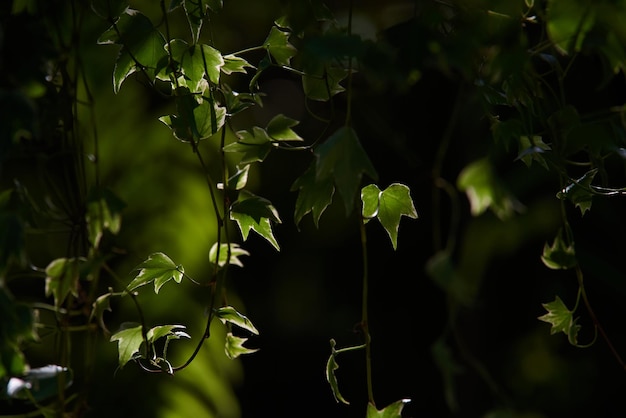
[[364, 313]]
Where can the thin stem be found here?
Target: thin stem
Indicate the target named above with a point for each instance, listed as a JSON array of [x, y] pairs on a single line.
[[364, 314]]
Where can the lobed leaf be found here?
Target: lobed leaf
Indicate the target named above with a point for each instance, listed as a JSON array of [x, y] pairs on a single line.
[[234, 346], [199, 61], [277, 44], [279, 129], [62, 277], [314, 195], [169, 331], [559, 255], [391, 411], [159, 268], [255, 145], [579, 191], [235, 252], [230, 315], [234, 64], [561, 319], [255, 213], [129, 340]]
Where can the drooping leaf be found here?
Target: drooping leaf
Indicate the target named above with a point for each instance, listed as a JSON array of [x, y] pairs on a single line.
[[390, 411], [129, 340], [314, 195], [255, 213], [198, 61], [343, 158], [143, 46], [235, 64], [234, 346], [388, 206], [237, 102], [484, 190], [169, 331], [230, 314], [101, 304], [62, 277], [559, 255], [103, 214], [235, 252], [255, 145], [277, 44], [331, 367], [159, 268], [579, 191], [561, 319], [279, 129]]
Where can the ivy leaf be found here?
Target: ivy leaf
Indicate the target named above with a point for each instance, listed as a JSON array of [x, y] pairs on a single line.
[[230, 315], [558, 255], [234, 346], [196, 11], [277, 44], [201, 60], [579, 192], [343, 158], [530, 151], [331, 367], [169, 331], [279, 129], [143, 47], [239, 180], [101, 304], [159, 268], [484, 191], [314, 195], [197, 118], [235, 252], [255, 145], [255, 213], [103, 214], [391, 411], [62, 277], [561, 319], [129, 340], [235, 64], [322, 85], [388, 206]]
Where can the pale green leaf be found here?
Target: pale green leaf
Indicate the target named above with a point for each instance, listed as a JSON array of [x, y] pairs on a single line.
[[101, 304], [277, 44], [235, 64], [370, 196], [169, 331], [391, 411], [159, 268], [235, 252], [561, 319], [230, 314], [255, 145], [279, 129], [568, 21], [129, 340], [234, 346], [196, 119]]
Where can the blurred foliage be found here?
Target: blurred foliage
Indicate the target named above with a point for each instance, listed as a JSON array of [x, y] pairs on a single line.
[[504, 118]]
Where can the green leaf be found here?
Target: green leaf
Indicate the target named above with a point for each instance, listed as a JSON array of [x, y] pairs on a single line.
[[197, 118], [169, 331], [196, 11], [331, 367], [103, 214], [235, 252], [129, 340], [234, 346], [235, 64], [561, 319], [101, 304], [239, 180], [558, 255], [159, 268], [321, 85], [198, 61], [484, 190], [143, 47], [314, 195], [391, 411], [230, 315], [279, 129], [388, 206], [277, 44], [255, 145], [343, 158], [579, 191], [62, 277], [530, 151], [255, 213], [568, 21], [109, 9]]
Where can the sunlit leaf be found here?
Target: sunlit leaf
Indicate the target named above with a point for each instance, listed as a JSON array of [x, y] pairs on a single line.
[[579, 192], [561, 319], [101, 304], [235, 252], [197, 118], [235, 64], [62, 277], [391, 411], [234, 346], [198, 61], [255, 213], [314, 195], [239, 180], [143, 47], [255, 145], [559, 255], [230, 314], [129, 340], [170, 331], [388, 206], [279, 129], [159, 268], [343, 158], [277, 43], [331, 367]]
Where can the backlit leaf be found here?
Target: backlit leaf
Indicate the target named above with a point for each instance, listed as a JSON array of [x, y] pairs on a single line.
[[234, 346], [197, 118], [62, 277], [159, 268], [331, 367], [129, 340], [279, 129], [235, 252], [343, 158], [561, 319], [170, 331], [230, 314], [559, 255], [391, 411], [101, 304], [198, 61], [255, 145], [255, 213], [579, 192], [235, 64], [314, 195], [277, 44]]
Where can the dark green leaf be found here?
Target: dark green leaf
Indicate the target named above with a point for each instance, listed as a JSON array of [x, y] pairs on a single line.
[[568, 22], [101, 304], [331, 367], [234, 346], [559, 255], [197, 118], [279, 129], [62, 277], [324, 84], [314, 195], [129, 340], [230, 315], [277, 43], [255, 213], [391, 411], [343, 158], [255, 145], [159, 268], [579, 191], [109, 9]]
